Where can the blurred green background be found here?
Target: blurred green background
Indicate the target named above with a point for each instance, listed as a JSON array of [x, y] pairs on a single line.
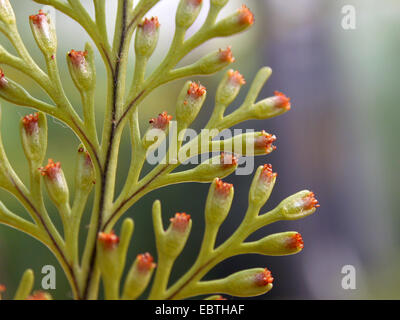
[[340, 140]]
